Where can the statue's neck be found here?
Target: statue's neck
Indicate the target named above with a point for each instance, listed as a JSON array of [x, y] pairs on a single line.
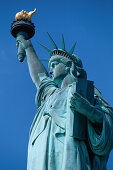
[[69, 79]]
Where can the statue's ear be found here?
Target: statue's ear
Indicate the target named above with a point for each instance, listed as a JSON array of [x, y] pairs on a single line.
[[69, 64], [81, 72], [75, 71]]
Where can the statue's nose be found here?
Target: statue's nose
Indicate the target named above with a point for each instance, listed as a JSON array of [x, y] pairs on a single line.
[[51, 71]]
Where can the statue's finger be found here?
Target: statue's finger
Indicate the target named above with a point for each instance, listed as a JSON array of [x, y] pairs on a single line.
[[72, 108], [76, 94], [73, 103]]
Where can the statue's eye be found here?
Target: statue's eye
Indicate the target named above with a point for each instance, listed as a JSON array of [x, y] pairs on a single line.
[[53, 65]]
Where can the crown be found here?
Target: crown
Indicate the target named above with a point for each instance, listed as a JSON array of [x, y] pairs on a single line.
[[62, 52]]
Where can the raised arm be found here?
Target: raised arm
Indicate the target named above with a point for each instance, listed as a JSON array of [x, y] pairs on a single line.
[[34, 64]]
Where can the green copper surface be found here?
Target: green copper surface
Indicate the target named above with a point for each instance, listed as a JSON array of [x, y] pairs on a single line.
[[73, 126], [45, 47], [72, 49], [63, 43], [54, 45]]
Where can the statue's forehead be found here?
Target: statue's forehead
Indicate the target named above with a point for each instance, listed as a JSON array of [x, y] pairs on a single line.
[[55, 58]]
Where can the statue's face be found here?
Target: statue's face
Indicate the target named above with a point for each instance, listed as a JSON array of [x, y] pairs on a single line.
[[57, 68]]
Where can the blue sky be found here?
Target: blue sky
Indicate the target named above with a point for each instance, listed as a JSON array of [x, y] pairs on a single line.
[[90, 23]]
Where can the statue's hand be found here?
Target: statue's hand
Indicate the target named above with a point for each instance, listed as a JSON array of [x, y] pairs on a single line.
[[22, 45], [80, 104], [25, 43]]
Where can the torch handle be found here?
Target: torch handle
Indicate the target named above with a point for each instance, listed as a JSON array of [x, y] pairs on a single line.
[[21, 51]]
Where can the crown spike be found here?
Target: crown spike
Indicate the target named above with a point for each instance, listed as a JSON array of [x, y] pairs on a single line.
[[72, 49], [54, 45], [50, 51], [63, 43], [46, 60]]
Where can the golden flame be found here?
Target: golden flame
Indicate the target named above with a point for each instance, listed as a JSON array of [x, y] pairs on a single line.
[[24, 15]]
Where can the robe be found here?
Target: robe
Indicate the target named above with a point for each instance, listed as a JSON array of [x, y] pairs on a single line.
[[52, 147]]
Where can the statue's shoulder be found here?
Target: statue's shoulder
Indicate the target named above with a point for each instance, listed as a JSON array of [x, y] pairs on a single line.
[[102, 103], [46, 88], [98, 94]]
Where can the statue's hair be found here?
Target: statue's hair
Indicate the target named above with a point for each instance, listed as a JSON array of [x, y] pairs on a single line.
[[77, 69]]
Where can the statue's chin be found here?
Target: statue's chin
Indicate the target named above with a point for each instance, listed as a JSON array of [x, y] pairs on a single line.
[[56, 81]]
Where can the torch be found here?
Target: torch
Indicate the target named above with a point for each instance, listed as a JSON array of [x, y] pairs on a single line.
[[22, 26]]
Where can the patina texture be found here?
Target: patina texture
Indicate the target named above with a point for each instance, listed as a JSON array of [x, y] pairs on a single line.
[[73, 127]]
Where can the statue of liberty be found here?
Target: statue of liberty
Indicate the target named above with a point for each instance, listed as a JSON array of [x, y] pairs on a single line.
[[73, 126]]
